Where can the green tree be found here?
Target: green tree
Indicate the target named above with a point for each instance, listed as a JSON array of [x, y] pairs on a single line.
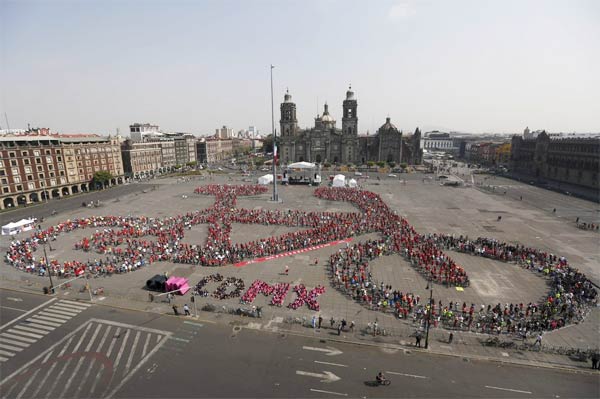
[[381, 164], [404, 165], [191, 164], [392, 164], [268, 144], [370, 164], [101, 177]]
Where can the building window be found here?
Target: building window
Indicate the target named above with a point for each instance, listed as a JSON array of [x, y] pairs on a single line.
[[6, 190], [15, 171], [24, 153], [58, 151], [38, 160], [11, 154], [4, 181], [36, 153], [26, 161], [49, 159], [27, 169], [59, 159], [31, 186], [13, 162], [30, 177], [40, 168], [41, 175]]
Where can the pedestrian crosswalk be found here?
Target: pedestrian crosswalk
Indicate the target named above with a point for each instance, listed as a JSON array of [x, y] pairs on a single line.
[[20, 336]]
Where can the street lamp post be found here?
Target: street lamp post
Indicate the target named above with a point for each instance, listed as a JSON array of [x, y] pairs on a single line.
[[48, 267], [275, 195], [430, 286]]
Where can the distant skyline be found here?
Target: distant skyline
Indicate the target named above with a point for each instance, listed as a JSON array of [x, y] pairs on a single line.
[[193, 66]]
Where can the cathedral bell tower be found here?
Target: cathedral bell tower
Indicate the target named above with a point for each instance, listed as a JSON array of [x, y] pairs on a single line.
[[288, 122], [350, 118]]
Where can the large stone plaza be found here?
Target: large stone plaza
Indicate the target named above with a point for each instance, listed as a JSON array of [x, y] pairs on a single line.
[[428, 207]]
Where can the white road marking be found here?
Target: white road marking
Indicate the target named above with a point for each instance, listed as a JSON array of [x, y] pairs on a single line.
[[193, 324], [18, 310], [60, 310], [5, 353], [10, 298], [52, 367], [331, 364], [329, 350], [28, 313], [23, 333], [13, 342], [507, 389], [19, 337], [38, 326], [179, 339], [11, 348], [327, 376], [91, 365], [29, 329], [132, 352], [44, 320], [55, 316], [30, 380], [332, 393], [80, 362], [145, 349], [82, 304], [68, 362], [406, 375]]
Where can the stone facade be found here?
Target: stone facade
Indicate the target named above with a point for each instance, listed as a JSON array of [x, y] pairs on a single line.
[[39, 168], [325, 143], [570, 160]]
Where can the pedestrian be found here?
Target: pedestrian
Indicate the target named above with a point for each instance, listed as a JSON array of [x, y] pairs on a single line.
[[316, 261], [287, 270], [450, 338], [554, 210], [538, 340], [186, 309], [418, 339], [169, 297], [320, 321], [314, 321], [595, 359], [151, 297], [175, 310], [339, 329], [332, 321], [344, 324], [352, 326], [577, 220]]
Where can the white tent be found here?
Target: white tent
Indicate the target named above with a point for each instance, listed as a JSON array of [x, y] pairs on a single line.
[[302, 165], [352, 183], [339, 181], [17, 227], [266, 179]]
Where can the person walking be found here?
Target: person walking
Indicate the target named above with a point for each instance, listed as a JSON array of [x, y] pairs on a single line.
[[320, 321], [186, 310], [418, 339], [332, 321], [595, 359], [175, 310], [287, 270], [314, 322], [352, 326]]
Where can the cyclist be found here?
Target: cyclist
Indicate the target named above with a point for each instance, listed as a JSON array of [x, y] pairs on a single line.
[[380, 378]]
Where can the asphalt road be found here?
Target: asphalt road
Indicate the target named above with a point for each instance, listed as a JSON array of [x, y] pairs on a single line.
[[70, 349], [67, 203]]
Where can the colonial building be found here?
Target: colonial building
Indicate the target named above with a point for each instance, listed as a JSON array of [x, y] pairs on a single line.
[[141, 159], [573, 160], [42, 167], [326, 143]]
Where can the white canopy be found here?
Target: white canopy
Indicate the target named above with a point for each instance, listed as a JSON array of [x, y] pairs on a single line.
[[352, 183], [266, 179], [302, 165], [339, 181], [17, 227]]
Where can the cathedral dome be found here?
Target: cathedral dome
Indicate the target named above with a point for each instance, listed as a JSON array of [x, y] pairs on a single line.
[[388, 125], [326, 117]]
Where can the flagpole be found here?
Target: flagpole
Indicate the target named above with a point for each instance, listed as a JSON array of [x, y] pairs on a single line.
[[275, 195]]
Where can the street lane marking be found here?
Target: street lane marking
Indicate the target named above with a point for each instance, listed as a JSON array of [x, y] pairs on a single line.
[[11, 348], [327, 376], [29, 329], [179, 339], [5, 353], [38, 326], [193, 324], [85, 305], [331, 364], [329, 350], [19, 338], [28, 313], [13, 342], [44, 320], [406, 375], [507, 389], [56, 316], [25, 334], [332, 393], [18, 310], [58, 310]]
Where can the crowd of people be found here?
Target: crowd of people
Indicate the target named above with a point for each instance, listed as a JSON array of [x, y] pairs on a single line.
[[278, 290], [130, 242]]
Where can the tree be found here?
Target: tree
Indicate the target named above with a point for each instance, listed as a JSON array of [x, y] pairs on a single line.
[[370, 164], [404, 165], [191, 164], [268, 144], [381, 164], [101, 177], [392, 164]]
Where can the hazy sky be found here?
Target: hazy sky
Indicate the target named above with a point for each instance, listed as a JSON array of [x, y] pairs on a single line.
[[193, 66]]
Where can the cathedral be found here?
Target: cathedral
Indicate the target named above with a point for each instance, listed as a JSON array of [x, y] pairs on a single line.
[[326, 143]]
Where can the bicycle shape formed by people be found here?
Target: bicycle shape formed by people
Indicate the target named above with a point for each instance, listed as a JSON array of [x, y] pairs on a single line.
[[125, 239]]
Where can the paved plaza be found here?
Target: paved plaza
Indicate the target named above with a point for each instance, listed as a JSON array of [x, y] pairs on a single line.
[[428, 207]]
